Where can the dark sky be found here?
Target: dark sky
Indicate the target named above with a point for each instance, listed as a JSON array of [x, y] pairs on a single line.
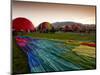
[[40, 12]]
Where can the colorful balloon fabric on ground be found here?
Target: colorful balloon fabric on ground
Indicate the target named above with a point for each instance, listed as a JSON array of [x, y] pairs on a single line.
[[49, 55]]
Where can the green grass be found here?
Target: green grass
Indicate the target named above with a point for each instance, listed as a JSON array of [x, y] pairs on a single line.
[[63, 36], [20, 64]]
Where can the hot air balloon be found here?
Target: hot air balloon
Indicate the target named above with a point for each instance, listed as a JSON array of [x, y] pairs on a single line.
[[45, 27], [21, 24]]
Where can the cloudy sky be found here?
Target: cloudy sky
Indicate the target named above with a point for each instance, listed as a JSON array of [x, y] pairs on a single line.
[[51, 12]]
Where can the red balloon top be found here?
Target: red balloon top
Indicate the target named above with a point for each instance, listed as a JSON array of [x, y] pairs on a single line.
[[22, 24]]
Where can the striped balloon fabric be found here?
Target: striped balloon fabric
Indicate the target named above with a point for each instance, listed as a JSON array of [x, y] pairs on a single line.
[[50, 56]]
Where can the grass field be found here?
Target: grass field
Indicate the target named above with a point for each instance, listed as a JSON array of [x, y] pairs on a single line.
[[20, 64], [64, 36]]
